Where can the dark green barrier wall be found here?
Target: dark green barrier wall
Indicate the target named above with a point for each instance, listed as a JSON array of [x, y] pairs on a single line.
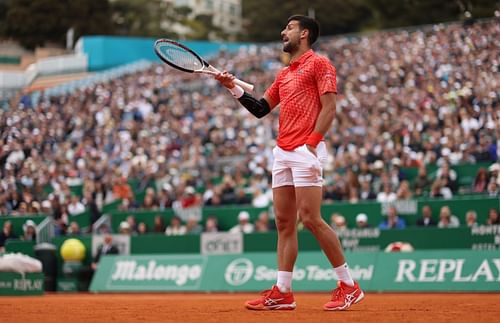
[[373, 239]]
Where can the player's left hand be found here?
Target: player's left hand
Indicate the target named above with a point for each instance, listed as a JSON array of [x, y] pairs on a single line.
[[226, 79], [312, 150]]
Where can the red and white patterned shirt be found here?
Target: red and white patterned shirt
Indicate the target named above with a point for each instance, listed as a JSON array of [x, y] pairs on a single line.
[[298, 88]]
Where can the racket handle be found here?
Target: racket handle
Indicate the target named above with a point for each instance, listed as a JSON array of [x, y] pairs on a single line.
[[246, 86]]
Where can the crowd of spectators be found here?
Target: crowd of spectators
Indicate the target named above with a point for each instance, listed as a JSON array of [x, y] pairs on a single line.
[[405, 99]]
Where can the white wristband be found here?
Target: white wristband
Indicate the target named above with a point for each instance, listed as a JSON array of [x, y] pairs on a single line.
[[237, 91]]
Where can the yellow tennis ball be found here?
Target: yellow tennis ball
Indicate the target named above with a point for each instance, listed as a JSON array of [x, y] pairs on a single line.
[[72, 250]]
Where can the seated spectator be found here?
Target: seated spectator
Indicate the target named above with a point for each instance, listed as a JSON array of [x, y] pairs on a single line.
[[448, 176], [260, 198], [122, 189], [446, 219], [365, 192], [362, 221], [422, 182], [75, 206], [132, 224], [241, 197], [404, 192], [29, 229], [263, 224], [142, 228], [481, 181], [440, 191], [387, 195], [165, 199], [244, 224], [493, 217], [492, 189], [393, 221], [471, 218], [353, 195], [7, 233], [73, 229], [494, 170], [176, 228], [107, 248], [211, 224], [149, 202], [159, 224], [338, 222], [124, 228], [192, 226], [426, 220]]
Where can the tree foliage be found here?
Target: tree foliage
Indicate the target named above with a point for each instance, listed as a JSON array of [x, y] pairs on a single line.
[[263, 20], [36, 22]]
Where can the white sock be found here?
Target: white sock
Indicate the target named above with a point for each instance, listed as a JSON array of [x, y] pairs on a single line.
[[284, 281], [344, 274]]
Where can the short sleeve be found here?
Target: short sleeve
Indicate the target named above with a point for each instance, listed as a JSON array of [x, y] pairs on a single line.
[[273, 92], [326, 76]]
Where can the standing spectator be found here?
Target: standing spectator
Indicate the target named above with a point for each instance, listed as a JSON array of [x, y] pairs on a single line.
[[211, 224], [244, 224], [426, 220], [107, 248], [176, 228], [471, 218], [393, 221], [6, 234], [493, 217], [446, 219]]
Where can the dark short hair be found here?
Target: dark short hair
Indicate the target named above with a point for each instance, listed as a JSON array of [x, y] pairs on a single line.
[[308, 23]]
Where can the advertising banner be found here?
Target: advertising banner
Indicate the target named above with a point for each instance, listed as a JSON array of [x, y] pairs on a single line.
[[17, 284], [462, 270]]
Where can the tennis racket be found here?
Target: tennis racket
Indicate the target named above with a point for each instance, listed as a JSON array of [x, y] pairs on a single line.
[[186, 60]]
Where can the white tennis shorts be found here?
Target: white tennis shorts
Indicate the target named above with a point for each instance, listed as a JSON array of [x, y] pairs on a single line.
[[299, 167]]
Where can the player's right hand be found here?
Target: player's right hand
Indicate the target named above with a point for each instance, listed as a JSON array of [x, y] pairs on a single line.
[[226, 79]]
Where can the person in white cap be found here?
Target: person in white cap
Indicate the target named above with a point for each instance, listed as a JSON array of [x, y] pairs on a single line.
[[29, 229], [362, 221], [244, 224]]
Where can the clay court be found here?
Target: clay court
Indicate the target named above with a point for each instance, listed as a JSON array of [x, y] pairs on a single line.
[[73, 308]]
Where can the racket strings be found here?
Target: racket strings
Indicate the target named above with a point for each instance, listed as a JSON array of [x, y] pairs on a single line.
[[180, 57]]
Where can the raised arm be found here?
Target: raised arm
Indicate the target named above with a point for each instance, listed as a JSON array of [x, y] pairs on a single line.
[[258, 108]]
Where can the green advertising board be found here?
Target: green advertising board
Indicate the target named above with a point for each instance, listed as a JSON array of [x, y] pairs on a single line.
[[459, 270], [12, 283]]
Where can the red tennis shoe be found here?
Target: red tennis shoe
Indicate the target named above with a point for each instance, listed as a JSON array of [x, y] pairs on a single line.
[[344, 296], [272, 299]]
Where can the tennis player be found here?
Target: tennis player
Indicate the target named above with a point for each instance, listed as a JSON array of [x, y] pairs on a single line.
[[306, 92]]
